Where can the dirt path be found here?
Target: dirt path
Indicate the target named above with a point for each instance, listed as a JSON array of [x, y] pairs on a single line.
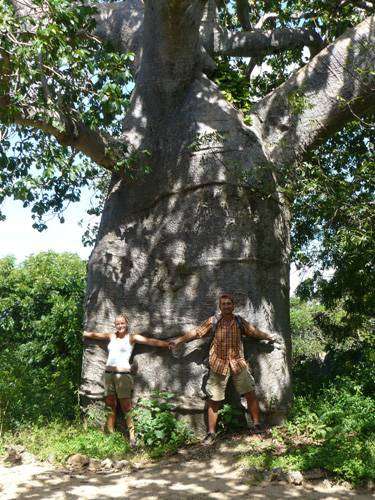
[[198, 474]]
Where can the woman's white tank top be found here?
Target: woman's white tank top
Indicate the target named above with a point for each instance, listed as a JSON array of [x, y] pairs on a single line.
[[119, 352]]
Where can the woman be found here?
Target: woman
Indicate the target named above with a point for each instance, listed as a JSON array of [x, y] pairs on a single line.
[[118, 379]]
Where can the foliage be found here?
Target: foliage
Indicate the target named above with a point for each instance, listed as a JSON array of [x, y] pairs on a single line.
[[333, 430], [333, 230], [307, 337], [41, 315], [156, 425], [229, 419], [56, 67], [58, 440], [343, 418], [332, 192]]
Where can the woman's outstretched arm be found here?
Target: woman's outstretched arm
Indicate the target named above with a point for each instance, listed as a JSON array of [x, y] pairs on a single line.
[[141, 339], [97, 335]]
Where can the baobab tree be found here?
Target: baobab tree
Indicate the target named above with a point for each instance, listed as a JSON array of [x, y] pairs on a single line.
[[196, 203]]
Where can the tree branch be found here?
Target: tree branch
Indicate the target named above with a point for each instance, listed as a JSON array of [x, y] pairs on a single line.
[[317, 100], [260, 43], [119, 24], [243, 14], [363, 5], [171, 49], [101, 148], [266, 17]]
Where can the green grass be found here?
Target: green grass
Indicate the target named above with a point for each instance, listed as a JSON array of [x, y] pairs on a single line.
[[58, 440]]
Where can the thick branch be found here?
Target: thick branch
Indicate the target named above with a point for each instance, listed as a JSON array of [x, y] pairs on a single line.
[[334, 87], [261, 43], [243, 13], [100, 147], [171, 49], [119, 24]]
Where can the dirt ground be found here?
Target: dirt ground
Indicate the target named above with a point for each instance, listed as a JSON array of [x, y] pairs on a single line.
[[193, 473]]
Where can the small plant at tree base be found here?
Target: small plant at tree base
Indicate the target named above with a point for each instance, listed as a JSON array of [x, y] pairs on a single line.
[[158, 429], [229, 419]]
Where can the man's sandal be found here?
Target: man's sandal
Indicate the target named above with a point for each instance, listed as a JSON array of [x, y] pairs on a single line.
[[209, 439], [258, 429]]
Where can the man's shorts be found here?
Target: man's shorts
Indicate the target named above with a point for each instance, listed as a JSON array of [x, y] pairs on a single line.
[[216, 384], [118, 384]]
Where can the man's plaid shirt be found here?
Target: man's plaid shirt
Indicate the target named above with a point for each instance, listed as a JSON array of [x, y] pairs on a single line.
[[226, 350]]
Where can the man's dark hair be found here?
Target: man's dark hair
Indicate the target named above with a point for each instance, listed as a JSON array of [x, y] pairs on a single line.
[[226, 296]]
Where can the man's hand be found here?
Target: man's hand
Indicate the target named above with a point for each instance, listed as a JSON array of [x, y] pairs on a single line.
[[173, 343], [273, 337], [276, 341]]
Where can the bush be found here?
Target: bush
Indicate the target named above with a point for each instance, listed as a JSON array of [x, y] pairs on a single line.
[[156, 425], [333, 430], [342, 421], [41, 311], [308, 340], [229, 419]]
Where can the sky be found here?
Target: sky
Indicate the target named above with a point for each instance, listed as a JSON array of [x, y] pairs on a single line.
[[18, 238]]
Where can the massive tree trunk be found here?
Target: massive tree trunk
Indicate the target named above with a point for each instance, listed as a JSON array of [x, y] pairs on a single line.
[[208, 218]]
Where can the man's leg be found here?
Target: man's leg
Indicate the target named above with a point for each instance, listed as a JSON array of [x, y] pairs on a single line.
[[110, 401], [245, 384], [215, 389], [253, 407], [126, 406], [212, 414]]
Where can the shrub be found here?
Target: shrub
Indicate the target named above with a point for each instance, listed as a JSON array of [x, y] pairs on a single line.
[[40, 337], [229, 419], [156, 425], [339, 426]]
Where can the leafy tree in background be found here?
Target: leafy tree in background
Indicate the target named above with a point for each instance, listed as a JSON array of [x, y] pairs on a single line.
[[334, 230], [41, 310], [183, 161]]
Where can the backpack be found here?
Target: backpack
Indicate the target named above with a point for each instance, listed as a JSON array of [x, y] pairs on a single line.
[[215, 322]]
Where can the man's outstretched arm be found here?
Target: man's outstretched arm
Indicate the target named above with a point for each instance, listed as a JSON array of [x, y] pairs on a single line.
[[199, 332], [255, 332], [97, 335]]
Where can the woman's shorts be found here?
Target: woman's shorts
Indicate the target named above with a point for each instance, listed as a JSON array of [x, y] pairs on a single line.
[[216, 384], [118, 384]]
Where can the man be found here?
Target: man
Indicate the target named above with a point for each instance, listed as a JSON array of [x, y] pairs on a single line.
[[227, 358]]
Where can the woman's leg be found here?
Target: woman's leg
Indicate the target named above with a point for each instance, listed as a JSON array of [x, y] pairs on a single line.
[[126, 406], [110, 401]]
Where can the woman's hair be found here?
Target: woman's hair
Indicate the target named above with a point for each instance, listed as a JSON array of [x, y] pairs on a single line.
[[124, 317]]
